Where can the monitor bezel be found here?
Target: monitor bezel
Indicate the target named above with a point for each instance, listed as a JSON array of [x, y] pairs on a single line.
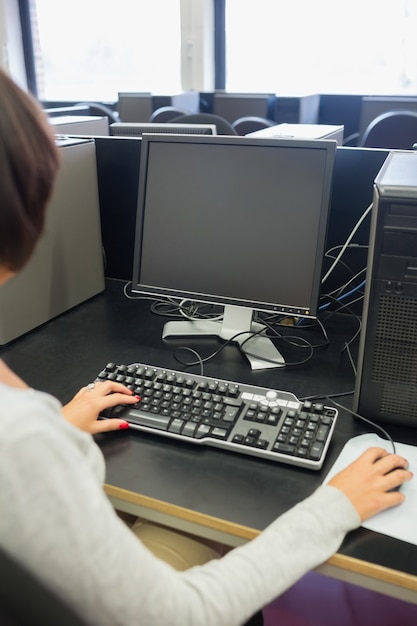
[[140, 288], [138, 129]]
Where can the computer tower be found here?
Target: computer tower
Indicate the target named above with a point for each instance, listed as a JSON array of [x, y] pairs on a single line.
[[297, 109], [80, 125], [301, 131], [386, 387], [66, 267]]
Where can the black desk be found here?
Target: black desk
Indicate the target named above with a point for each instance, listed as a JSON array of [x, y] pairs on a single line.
[[209, 492]]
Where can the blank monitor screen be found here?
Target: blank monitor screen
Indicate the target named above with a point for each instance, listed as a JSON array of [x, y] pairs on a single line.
[[235, 221]]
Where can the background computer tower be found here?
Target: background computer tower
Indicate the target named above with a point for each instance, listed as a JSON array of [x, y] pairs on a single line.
[[386, 388], [80, 125], [67, 265]]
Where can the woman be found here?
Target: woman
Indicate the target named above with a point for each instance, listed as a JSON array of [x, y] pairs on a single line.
[[55, 517]]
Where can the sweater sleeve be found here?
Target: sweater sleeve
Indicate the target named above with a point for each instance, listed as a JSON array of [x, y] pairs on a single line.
[[61, 525]]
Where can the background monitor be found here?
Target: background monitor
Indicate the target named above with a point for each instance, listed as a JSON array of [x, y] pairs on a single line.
[[138, 129], [134, 106], [235, 221], [232, 106], [74, 109], [373, 106]]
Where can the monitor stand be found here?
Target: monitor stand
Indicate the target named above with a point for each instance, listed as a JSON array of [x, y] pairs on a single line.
[[237, 325]]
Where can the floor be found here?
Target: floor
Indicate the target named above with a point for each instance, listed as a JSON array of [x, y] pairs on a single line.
[[321, 601]]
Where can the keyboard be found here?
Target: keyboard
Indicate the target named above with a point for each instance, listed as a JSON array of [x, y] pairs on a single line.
[[236, 417]]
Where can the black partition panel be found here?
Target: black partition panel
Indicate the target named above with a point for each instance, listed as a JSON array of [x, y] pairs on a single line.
[[118, 160], [341, 109], [354, 173]]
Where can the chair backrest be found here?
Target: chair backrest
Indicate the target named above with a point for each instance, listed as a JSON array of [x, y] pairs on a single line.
[[96, 108], [392, 130], [223, 126], [250, 124], [167, 114], [25, 601]]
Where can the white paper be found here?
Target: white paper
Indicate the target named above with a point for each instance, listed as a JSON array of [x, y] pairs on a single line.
[[400, 521]]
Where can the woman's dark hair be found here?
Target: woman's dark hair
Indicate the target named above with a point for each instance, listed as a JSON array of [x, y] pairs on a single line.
[[29, 161]]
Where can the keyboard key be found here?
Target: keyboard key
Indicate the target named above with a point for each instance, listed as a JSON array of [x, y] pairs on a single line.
[[154, 421]]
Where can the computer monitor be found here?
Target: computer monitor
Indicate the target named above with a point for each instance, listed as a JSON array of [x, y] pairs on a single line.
[[373, 106], [138, 129], [235, 221], [75, 109], [232, 106], [135, 106]]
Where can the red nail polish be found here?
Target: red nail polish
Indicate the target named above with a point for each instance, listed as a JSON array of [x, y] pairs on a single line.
[[124, 425], [138, 398]]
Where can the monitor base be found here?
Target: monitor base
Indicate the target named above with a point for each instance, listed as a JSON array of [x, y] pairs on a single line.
[[237, 325]]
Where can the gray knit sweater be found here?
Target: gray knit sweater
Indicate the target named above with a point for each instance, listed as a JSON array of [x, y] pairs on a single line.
[[56, 519]]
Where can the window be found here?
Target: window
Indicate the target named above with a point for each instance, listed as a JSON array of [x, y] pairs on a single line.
[[321, 46], [92, 49]]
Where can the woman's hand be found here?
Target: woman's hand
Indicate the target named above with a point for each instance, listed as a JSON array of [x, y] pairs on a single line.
[[370, 482], [8, 377], [83, 410]]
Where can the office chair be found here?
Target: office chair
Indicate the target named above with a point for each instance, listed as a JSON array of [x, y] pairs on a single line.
[[25, 601], [222, 125], [96, 108], [251, 123], [392, 130], [167, 114], [351, 140]]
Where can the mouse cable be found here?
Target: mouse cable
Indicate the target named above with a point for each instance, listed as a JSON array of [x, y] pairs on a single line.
[[364, 419], [319, 396]]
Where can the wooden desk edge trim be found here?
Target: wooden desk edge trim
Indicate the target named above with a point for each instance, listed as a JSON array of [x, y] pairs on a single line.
[[340, 561], [182, 513], [372, 570]]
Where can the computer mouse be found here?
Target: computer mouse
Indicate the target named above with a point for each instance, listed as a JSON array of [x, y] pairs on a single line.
[[398, 487], [399, 467]]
